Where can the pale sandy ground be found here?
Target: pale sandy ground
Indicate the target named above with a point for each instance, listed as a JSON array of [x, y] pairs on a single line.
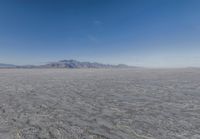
[[100, 104]]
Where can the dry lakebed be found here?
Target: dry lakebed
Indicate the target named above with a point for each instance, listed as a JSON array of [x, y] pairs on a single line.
[[100, 103]]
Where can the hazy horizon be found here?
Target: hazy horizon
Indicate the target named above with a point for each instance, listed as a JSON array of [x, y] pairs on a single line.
[[134, 32]]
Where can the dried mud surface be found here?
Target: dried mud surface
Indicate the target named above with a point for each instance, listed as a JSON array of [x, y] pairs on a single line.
[[99, 104]]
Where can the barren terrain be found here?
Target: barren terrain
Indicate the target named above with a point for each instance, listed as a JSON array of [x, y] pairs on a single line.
[[100, 104]]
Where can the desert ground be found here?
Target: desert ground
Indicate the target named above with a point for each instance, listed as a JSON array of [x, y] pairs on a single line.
[[100, 103]]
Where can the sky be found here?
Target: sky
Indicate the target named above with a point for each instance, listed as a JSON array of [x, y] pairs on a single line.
[[149, 33]]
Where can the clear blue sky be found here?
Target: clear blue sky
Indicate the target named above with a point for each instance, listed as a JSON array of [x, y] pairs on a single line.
[[154, 33]]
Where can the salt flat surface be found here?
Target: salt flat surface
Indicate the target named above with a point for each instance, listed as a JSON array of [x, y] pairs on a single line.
[[99, 104]]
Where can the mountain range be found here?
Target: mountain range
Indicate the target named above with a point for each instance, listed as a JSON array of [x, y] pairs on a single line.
[[6, 65], [67, 64]]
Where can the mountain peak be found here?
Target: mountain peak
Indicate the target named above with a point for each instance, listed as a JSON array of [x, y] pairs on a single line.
[[77, 64], [71, 63]]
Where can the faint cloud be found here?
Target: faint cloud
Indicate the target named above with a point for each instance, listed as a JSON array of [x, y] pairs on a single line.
[[197, 27], [92, 38], [97, 22], [194, 27]]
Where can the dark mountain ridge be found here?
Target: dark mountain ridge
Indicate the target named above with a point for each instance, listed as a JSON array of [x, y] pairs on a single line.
[[77, 64], [67, 64]]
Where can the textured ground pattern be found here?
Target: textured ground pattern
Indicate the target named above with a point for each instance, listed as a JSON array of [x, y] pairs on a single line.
[[99, 104]]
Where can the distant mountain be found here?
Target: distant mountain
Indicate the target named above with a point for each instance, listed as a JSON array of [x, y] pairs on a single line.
[[67, 64], [78, 64], [6, 65]]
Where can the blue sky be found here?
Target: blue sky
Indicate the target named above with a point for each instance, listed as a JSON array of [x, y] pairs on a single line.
[[152, 33]]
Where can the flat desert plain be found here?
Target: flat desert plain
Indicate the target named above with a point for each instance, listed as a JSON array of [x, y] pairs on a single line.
[[100, 104]]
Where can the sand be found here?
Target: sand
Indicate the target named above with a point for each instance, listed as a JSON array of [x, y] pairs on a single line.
[[100, 104]]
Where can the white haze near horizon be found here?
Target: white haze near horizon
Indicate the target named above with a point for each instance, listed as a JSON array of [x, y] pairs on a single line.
[[149, 58]]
